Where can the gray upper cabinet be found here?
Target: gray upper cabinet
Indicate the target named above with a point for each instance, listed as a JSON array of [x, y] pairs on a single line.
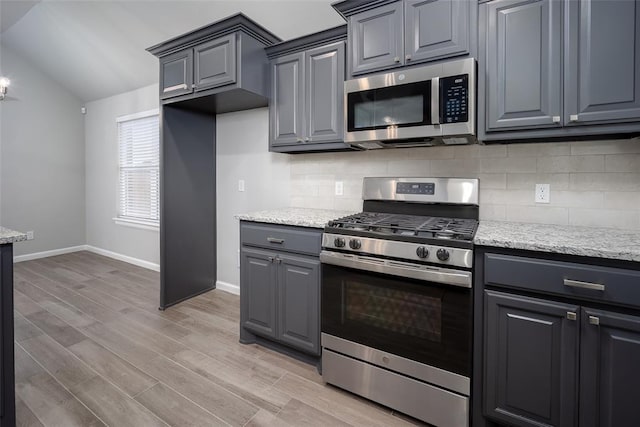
[[324, 87], [215, 63], [602, 82], [524, 55], [176, 74], [610, 351], [299, 301], [306, 110], [531, 358], [388, 34], [287, 100], [435, 29], [375, 39]]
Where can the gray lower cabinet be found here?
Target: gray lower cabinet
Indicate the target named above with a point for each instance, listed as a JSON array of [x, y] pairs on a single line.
[[280, 288], [531, 359], [408, 32], [609, 373], [306, 110], [552, 68], [7, 365], [205, 66]]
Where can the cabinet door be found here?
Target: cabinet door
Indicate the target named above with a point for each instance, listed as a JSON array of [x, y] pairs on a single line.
[[176, 74], [286, 115], [523, 64], [258, 291], [215, 63], [530, 360], [609, 369], [375, 39], [299, 302], [324, 102], [602, 62], [435, 29]]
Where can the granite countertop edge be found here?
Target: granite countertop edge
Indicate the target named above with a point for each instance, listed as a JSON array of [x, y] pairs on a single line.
[[609, 243], [301, 217], [10, 236]]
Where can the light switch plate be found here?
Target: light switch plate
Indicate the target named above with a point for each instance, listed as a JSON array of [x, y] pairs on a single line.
[[339, 188], [543, 193], [241, 185]]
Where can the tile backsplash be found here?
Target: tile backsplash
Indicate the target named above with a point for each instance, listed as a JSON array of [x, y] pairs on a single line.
[[593, 183]]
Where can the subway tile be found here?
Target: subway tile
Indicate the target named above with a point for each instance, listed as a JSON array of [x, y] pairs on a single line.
[[577, 199], [479, 151], [571, 164], [493, 180], [508, 164], [408, 167], [616, 146], [538, 149], [519, 181], [493, 212], [622, 200], [622, 163], [433, 153], [455, 167], [604, 181], [604, 218], [303, 188], [348, 204], [538, 214], [507, 197]]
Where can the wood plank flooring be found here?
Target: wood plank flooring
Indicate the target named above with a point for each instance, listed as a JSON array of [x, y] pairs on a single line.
[[93, 349]]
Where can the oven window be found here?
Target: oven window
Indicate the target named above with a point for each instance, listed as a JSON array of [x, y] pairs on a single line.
[[422, 321], [394, 310], [400, 106]]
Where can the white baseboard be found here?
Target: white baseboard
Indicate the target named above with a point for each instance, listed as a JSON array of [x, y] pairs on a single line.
[[46, 254], [131, 260], [228, 287]]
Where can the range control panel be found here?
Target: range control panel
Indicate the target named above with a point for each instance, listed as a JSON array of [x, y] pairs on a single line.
[[454, 99], [427, 188]]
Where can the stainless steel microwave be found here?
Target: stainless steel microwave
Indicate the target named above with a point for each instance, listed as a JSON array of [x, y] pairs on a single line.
[[430, 105]]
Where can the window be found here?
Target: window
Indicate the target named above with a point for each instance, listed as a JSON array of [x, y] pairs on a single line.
[[139, 169]]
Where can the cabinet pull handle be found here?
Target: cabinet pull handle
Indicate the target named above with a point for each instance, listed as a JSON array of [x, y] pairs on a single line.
[[408, 57], [556, 119], [275, 240], [299, 140], [571, 315], [593, 320], [574, 118], [279, 260], [271, 259], [307, 139], [584, 285], [172, 88], [396, 59]]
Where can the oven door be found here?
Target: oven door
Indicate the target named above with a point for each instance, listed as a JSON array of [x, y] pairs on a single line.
[[426, 322]]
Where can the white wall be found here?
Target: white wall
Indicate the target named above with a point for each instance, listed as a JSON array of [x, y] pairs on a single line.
[[42, 158], [242, 144], [102, 177]]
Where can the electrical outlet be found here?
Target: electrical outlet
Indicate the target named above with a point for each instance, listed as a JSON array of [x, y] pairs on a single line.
[[241, 185], [339, 188], [29, 235], [543, 193]]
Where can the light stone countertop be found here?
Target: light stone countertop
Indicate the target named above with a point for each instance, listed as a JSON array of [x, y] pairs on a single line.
[[301, 217], [571, 240], [10, 236]]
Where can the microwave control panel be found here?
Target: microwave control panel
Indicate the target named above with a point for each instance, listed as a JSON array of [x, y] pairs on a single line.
[[454, 99]]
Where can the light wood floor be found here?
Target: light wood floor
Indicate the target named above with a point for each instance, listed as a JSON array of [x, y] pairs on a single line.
[[93, 349]]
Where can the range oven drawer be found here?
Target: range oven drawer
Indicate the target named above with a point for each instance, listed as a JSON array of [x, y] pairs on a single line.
[[574, 280], [420, 400]]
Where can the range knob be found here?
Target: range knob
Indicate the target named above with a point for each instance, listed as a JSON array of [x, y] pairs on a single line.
[[339, 242], [442, 254], [422, 252], [355, 244]]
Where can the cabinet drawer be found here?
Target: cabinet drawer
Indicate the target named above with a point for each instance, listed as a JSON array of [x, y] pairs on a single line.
[[564, 278], [281, 237]]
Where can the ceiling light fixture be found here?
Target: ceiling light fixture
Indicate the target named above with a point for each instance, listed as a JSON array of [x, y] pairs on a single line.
[[4, 84]]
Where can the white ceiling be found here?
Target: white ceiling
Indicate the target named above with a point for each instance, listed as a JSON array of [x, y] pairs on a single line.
[[96, 48]]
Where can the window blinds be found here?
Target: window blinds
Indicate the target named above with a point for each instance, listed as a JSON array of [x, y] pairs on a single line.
[[139, 152]]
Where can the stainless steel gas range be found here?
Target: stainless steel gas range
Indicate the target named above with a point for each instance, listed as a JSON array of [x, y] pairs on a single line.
[[397, 300]]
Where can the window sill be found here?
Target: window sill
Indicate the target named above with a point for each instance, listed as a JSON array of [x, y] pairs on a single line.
[[144, 225]]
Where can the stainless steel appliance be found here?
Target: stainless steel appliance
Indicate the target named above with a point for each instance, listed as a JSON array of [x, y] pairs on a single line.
[[429, 105], [397, 300]]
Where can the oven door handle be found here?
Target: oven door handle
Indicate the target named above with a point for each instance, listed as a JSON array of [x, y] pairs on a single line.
[[398, 268]]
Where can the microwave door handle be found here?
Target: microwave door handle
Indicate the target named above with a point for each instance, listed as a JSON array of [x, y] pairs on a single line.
[[435, 101]]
